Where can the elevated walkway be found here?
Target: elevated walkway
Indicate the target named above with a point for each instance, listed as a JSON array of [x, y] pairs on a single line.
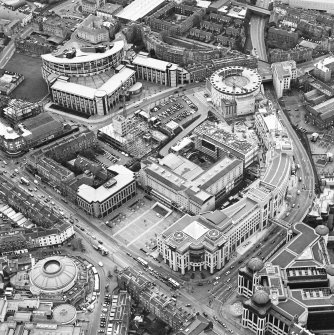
[[280, 222]]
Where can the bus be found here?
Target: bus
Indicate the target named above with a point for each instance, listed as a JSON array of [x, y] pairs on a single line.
[[142, 262], [173, 283], [24, 181], [96, 283]]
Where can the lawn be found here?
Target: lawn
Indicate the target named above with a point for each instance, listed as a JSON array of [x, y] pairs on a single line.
[[33, 88]]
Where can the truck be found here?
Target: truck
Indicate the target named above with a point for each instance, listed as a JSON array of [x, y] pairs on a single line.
[[35, 182], [104, 251], [24, 181]]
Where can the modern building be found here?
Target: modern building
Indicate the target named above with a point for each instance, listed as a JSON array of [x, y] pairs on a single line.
[[90, 6], [92, 101], [323, 69], [177, 182], [234, 89], [283, 74], [92, 30], [139, 9], [103, 200], [83, 62], [292, 291], [53, 275], [159, 71], [216, 142]]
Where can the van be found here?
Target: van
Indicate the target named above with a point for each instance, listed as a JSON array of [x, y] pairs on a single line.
[[16, 171]]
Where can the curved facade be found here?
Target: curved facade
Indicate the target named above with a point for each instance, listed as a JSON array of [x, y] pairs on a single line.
[[53, 275], [233, 89], [83, 64]]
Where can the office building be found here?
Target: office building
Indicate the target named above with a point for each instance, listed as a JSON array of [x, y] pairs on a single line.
[[92, 101], [292, 291], [83, 62], [283, 74], [103, 200], [215, 141], [321, 115], [234, 89], [9, 81], [17, 110], [108, 11], [92, 30], [178, 182], [323, 69], [159, 71], [53, 25]]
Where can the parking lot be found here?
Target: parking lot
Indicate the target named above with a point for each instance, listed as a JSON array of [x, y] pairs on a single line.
[[177, 109]]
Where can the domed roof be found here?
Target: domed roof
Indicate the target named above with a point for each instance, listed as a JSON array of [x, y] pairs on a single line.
[[260, 297], [64, 314], [321, 230], [330, 269], [255, 264], [53, 274]]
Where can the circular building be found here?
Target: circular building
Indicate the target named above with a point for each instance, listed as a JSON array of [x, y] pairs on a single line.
[[330, 269], [322, 230], [53, 275], [83, 62], [234, 89], [255, 264], [65, 314], [260, 297]]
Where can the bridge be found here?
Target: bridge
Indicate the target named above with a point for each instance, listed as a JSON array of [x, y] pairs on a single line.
[[253, 9], [280, 222]]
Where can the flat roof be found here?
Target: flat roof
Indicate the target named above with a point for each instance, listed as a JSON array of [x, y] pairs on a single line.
[[90, 194], [117, 80], [73, 88], [152, 63], [82, 57], [195, 230], [138, 9]]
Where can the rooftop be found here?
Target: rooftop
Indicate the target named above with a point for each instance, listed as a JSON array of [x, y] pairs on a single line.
[[82, 57], [143, 60], [123, 177], [138, 9]]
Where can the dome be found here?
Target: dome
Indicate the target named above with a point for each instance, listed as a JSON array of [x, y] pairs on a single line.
[[53, 275], [64, 314], [255, 264], [321, 230], [330, 269], [260, 297]]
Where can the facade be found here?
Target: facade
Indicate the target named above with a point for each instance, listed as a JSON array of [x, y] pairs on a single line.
[[83, 63], [197, 190], [321, 115], [298, 54], [108, 11], [18, 110], [158, 22], [103, 200], [54, 26], [51, 237], [323, 69], [30, 133], [92, 30], [216, 142], [90, 6], [282, 38], [292, 291], [159, 72], [283, 74], [233, 90], [93, 101]]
